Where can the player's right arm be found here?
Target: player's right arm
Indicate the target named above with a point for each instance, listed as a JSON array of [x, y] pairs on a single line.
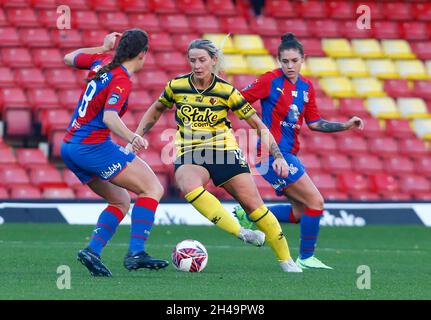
[[108, 44]]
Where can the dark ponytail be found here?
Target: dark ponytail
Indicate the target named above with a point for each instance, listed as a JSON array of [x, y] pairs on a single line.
[[289, 41], [132, 43]]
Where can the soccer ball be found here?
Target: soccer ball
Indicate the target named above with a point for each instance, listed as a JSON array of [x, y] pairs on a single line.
[[189, 256]]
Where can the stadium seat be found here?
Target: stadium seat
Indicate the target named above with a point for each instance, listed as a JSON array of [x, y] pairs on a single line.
[[29, 157], [113, 21], [353, 107], [336, 163], [9, 37], [322, 66], [352, 67], [354, 146], [205, 24], [266, 26], [367, 48], [71, 179], [373, 129], [102, 5], [221, 7], [84, 20], [191, 7], [337, 87], [55, 141], [43, 98], [398, 88], [16, 57], [422, 127], [297, 26], [22, 17], [139, 100], [47, 58], [181, 42], [84, 192], [382, 68], [18, 122], [322, 28], [311, 162], [172, 61], [58, 193], [350, 30], [150, 62], [386, 29], [259, 64], [337, 48], [48, 18], [7, 156], [235, 25], [10, 176], [175, 23], [312, 47], [153, 80], [383, 108], [326, 106], [46, 176], [368, 87], [35, 37], [411, 69], [146, 20], [422, 166], [325, 182], [68, 98], [367, 163], [399, 128], [414, 184], [67, 76], [240, 81], [412, 108], [414, 30], [340, 10], [399, 166], [66, 38], [13, 97], [364, 196], [383, 183], [235, 63], [385, 146], [162, 6], [422, 49], [321, 143], [53, 119], [281, 9], [29, 78], [249, 44], [78, 4], [397, 49], [25, 192], [4, 194], [6, 77], [313, 9], [413, 147], [3, 20], [422, 11], [422, 89]]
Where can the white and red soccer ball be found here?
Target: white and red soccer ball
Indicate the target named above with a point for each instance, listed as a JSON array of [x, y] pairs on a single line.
[[189, 256]]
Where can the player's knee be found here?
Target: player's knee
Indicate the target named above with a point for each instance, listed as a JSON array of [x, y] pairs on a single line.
[[155, 191], [122, 202], [318, 203]]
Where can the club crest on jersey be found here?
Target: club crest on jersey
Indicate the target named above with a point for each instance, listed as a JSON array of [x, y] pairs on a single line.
[[113, 99], [305, 93], [293, 113], [213, 100], [295, 94]]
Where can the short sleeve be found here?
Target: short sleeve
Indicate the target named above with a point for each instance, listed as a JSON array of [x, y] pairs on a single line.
[[312, 113], [259, 89], [85, 60], [240, 106], [167, 96], [118, 92]]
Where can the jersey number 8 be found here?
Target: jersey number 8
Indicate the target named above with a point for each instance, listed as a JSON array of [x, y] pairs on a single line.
[[88, 95]]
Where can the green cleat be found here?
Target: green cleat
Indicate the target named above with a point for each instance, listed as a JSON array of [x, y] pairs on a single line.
[[241, 215], [312, 263]]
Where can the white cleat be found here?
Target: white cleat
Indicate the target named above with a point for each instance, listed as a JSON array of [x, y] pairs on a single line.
[[254, 237], [290, 266]]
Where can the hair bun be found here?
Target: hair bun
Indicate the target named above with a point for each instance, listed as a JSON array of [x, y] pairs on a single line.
[[289, 36]]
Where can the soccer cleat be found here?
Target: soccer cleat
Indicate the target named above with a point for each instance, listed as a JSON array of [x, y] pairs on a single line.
[[312, 263], [93, 263], [290, 266], [143, 260], [241, 215], [254, 237]]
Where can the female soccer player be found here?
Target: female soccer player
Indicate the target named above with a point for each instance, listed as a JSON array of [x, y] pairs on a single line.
[[287, 99], [206, 149], [107, 168]]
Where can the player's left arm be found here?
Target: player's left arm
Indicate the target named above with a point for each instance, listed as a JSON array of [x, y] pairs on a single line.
[[332, 126]]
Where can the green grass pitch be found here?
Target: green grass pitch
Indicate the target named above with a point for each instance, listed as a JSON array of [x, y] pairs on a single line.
[[399, 258]]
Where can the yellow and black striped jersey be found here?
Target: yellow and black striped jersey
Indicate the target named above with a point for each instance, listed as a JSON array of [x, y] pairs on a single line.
[[201, 117]]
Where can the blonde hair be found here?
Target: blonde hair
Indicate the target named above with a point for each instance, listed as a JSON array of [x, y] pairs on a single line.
[[212, 50]]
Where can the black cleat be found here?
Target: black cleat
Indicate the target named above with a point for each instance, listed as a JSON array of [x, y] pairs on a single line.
[[93, 263], [143, 260]]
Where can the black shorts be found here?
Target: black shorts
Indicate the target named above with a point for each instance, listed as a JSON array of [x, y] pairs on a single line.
[[221, 165]]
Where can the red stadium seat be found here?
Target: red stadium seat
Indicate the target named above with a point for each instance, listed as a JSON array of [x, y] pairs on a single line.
[[84, 20], [235, 25], [105, 5], [69, 98], [192, 7], [423, 166], [162, 6], [297, 26], [29, 157], [14, 98], [422, 49], [175, 23], [71, 179], [22, 17], [6, 77], [281, 9], [399, 128], [25, 192], [132, 6], [340, 10], [78, 4], [349, 29], [314, 9], [154, 80], [4, 194], [415, 184], [66, 38], [271, 44], [114, 21], [160, 41], [61, 78], [16, 57], [84, 192], [414, 30], [172, 61], [181, 42], [424, 196], [35, 37], [386, 29], [147, 21], [412, 147], [58, 193], [9, 37], [12, 176], [403, 10], [93, 38], [47, 58], [221, 7], [43, 98], [139, 100], [364, 196], [325, 28], [311, 162], [205, 24], [325, 182], [395, 196], [353, 107], [265, 26], [312, 47], [386, 147], [383, 183], [56, 139], [30, 78], [130, 121], [321, 143], [354, 146], [53, 120], [367, 164], [336, 163], [397, 88], [18, 122], [44, 4], [7, 156], [352, 181], [326, 106], [373, 129], [48, 18], [399, 166], [46, 177], [422, 89], [422, 11], [240, 81], [152, 157], [3, 20], [376, 10]]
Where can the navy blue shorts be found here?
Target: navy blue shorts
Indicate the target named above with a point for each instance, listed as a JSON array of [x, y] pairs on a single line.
[[88, 161], [296, 170]]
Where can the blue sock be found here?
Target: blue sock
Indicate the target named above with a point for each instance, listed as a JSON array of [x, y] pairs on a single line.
[[142, 222], [281, 212], [108, 222], [310, 226]]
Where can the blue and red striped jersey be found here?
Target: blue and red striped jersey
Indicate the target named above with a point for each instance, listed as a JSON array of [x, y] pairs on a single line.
[[110, 92], [284, 106]]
